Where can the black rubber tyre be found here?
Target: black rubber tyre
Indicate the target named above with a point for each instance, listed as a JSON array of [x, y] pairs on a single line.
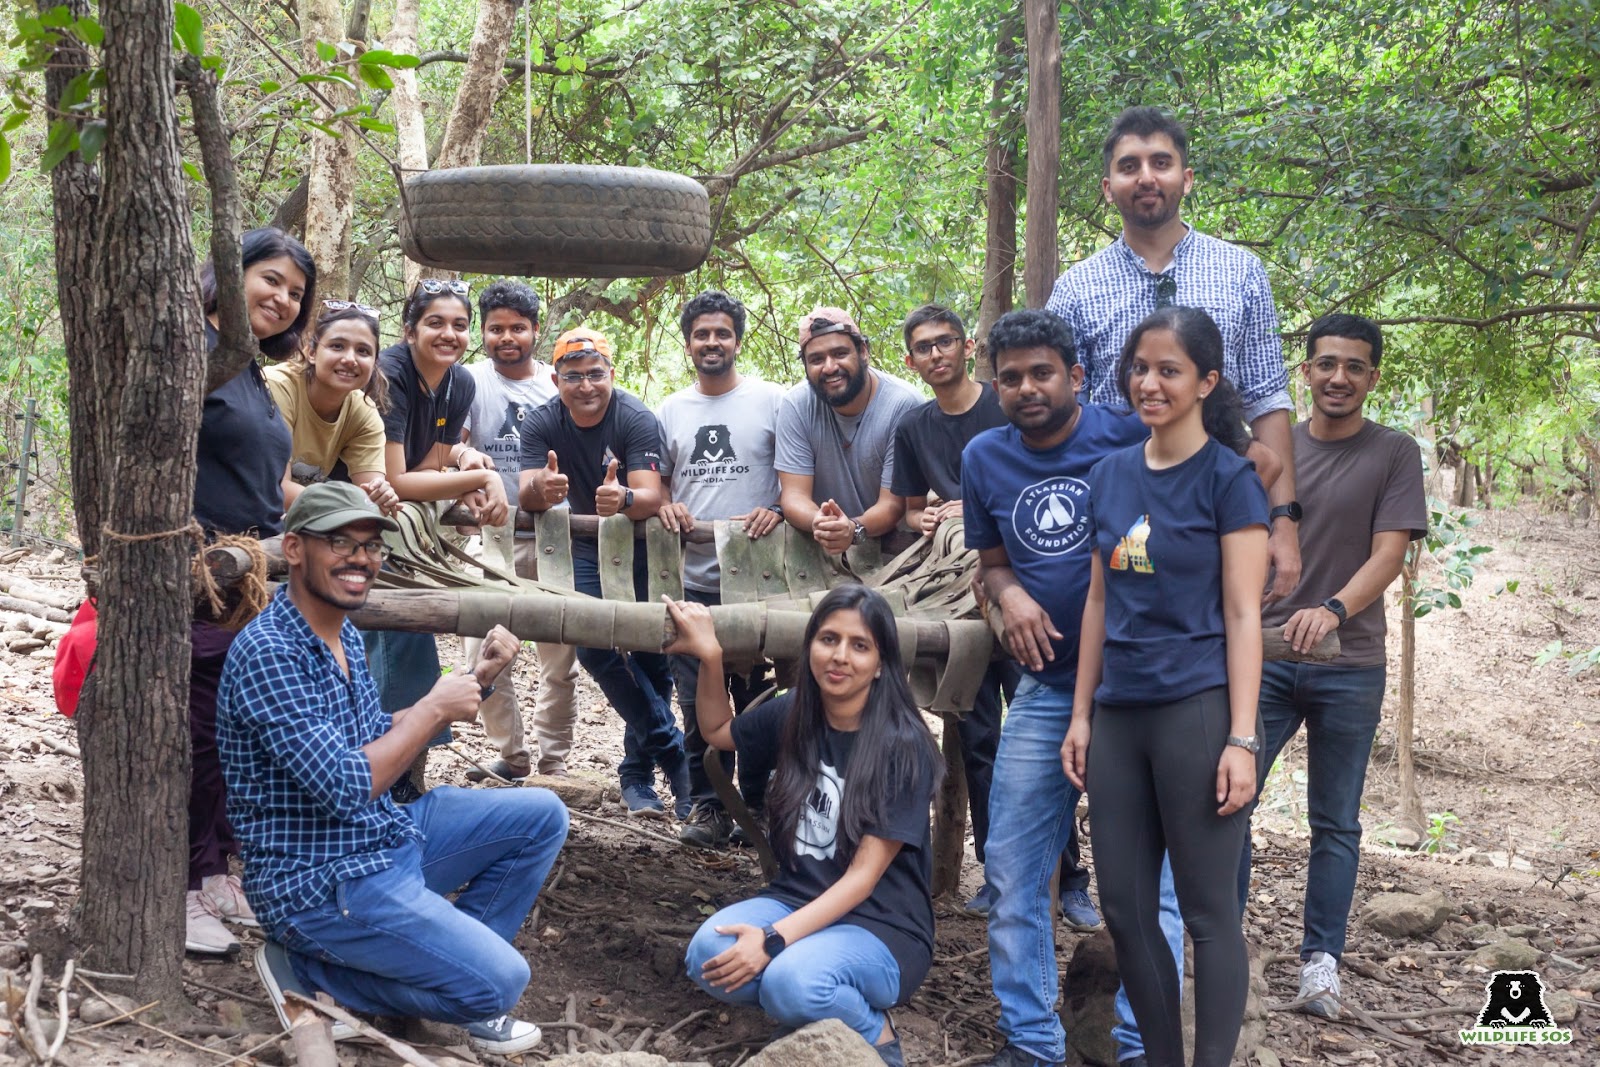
[[557, 220]]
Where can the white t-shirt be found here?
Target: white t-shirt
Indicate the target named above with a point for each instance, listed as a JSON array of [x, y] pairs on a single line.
[[494, 425], [718, 461]]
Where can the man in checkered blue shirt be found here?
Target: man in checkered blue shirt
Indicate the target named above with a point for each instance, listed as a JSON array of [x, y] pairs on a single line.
[[347, 884]]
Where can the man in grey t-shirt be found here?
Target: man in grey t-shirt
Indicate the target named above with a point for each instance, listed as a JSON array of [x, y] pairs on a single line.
[[511, 383], [719, 435], [835, 455]]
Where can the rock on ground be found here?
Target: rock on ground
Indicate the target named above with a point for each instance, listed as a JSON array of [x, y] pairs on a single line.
[[618, 1059], [1407, 914], [1510, 954], [828, 1042]]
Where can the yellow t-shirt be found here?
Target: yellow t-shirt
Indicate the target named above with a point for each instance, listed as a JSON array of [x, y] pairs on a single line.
[[356, 436]]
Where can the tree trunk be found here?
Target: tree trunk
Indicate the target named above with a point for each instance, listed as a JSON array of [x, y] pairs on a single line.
[[950, 815], [1405, 724], [1000, 182], [410, 133], [331, 172], [134, 733], [480, 84], [1041, 259]]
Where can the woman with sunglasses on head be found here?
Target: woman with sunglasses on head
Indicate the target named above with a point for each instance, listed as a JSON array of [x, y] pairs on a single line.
[[242, 455], [1164, 734], [334, 400], [845, 930]]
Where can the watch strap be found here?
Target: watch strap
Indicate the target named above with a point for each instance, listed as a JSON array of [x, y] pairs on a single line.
[[1251, 744]]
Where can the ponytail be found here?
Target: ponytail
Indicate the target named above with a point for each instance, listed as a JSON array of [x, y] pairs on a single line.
[[1222, 413]]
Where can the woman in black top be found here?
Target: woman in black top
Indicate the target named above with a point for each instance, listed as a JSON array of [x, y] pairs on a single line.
[[243, 453], [845, 930]]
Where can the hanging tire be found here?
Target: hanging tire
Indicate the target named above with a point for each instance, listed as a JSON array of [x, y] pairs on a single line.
[[556, 220]]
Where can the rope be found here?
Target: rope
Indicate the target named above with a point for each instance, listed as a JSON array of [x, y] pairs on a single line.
[[252, 590]]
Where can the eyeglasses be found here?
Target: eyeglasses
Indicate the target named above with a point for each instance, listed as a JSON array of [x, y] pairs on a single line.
[[346, 305], [596, 376], [345, 547], [1166, 291], [946, 345], [435, 286], [1327, 365]]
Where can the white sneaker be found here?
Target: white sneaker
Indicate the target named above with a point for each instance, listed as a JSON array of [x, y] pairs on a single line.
[[204, 932], [277, 974], [504, 1036], [1319, 977], [226, 895]]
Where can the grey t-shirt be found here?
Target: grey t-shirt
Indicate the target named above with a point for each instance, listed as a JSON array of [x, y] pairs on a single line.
[[494, 424], [718, 461], [1350, 490], [848, 458]]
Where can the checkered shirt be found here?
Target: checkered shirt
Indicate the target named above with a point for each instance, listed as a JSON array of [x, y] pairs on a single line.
[[290, 727], [1105, 296]]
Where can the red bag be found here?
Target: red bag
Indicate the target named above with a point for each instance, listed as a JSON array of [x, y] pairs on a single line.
[[74, 659]]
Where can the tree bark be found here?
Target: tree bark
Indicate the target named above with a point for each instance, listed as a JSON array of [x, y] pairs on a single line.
[[331, 173], [480, 84], [1000, 182], [1405, 722], [1041, 258], [134, 733], [411, 136], [950, 815]]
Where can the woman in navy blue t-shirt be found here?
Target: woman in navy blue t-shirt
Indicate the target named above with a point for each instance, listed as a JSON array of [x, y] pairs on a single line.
[[1169, 672]]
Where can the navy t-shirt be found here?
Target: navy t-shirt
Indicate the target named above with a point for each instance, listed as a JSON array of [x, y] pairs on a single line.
[[1034, 503], [899, 911], [242, 452], [417, 417], [1159, 533]]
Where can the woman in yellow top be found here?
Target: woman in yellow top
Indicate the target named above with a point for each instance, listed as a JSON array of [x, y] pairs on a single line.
[[334, 403]]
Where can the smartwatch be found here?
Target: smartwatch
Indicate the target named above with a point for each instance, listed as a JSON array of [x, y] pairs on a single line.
[[859, 535], [1251, 744], [772, 942], [627, 499], [1290, 511], [1335, 605]]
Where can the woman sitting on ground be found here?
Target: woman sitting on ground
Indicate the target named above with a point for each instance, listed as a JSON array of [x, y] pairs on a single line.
[[845, 930], [334, 403]]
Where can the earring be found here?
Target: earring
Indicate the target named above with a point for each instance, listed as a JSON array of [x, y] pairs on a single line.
[[878, 673]]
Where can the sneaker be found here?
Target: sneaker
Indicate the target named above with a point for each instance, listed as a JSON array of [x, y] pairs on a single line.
[[891, 1053], [501, 768], [226, 896], [740, 838], [1319, 981], [676, 768], [405, 791], [503, 1036], [1079, 911], [204, 932], [707, 827], [277, 974], [982, 902], [643, 802], [1012, 1056]]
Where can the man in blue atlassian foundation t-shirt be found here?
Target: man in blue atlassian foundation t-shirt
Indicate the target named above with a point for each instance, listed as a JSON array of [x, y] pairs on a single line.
[[1025, 491]]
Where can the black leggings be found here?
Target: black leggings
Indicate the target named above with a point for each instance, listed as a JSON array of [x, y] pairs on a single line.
[[1152, 777]]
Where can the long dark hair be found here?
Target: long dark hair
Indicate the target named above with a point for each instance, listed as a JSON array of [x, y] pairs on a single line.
[[1222, 411], [377, 387], [268, 242], [892, 750]]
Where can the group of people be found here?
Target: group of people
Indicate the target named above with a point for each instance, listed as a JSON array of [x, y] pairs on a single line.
[[1140, 504]]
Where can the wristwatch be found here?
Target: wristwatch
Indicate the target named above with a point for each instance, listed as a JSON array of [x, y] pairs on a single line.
[[485, 692], [1291, 511], [1335, 605], [1251, 744], [772, 942], [627, 499], [859, 535]]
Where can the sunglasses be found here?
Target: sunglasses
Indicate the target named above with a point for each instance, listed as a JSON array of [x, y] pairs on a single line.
[[346, 305], [435, 286], [1166, 291]]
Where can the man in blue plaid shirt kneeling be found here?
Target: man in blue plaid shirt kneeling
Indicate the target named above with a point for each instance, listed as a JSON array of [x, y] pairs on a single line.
[[346, 883]]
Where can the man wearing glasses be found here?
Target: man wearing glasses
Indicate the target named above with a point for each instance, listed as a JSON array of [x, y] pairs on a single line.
[[348, 886], [599, 449], [1160, 260]]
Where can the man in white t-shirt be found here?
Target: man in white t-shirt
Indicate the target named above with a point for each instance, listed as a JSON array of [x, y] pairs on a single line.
[[512, 383], [719, 434]]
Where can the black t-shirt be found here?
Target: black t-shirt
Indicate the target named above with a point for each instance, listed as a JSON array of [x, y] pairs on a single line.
[[243, 449], [928, 444], [629, 433], [417, 418], [900, 910]]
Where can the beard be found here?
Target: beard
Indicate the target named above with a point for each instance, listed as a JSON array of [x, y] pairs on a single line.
[[852, 389]]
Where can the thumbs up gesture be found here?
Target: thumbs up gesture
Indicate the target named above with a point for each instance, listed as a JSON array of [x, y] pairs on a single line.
[[608, 498], [554, 482], [832, 528]]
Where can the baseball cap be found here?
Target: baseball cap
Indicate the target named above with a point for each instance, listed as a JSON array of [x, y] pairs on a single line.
[[824, 320], [329, 506], [581, 342]]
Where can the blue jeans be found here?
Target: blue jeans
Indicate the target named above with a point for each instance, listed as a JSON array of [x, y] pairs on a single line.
[[1341, 708], [1031, 806], [391, 944], [840, 972], [637, 684], [405, 667]]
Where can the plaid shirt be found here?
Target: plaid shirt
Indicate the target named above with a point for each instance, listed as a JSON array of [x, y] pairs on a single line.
[[1105, 296], [290, 727]]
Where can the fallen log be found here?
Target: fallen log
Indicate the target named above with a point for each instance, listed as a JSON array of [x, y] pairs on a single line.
[[33, 608], [23, 589]]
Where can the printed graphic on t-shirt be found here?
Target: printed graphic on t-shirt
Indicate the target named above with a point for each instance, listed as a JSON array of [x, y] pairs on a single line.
[[1049, 516], [713, 460], [1131, 550], [818, 832], [511, 426]]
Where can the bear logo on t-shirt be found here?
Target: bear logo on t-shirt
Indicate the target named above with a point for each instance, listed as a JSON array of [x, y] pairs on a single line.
[[713, 444], [511, 426]]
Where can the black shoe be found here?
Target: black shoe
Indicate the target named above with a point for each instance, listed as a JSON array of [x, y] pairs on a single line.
[[1134, 1061], [707, 827], [405, 791], [1012, 1056], [740, 838], [501, 768]]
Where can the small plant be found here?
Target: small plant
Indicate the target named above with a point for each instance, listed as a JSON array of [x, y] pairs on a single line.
[[1439, 823]]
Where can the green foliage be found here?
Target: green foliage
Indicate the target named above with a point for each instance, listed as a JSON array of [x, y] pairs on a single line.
[[1439, 824], [1450, 545]]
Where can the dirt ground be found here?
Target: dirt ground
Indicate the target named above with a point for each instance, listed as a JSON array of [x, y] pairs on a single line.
[[1507, 755]]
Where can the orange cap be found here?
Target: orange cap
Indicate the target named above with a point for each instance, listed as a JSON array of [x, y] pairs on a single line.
[[581, 342]]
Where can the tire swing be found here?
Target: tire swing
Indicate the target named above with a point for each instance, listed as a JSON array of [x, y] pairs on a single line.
[[556, 220]]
